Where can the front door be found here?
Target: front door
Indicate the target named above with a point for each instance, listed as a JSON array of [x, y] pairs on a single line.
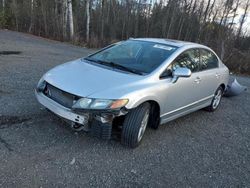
[[183, 94]]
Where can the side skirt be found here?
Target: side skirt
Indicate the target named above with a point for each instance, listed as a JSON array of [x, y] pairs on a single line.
[[186, 109]]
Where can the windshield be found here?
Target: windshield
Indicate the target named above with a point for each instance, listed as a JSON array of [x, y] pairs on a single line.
[[140, 56]]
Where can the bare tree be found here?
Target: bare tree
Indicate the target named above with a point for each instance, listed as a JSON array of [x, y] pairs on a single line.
[[44, 15], [173, 6], [31, 16], [65, 18], [88, 20], [191, 15], [98, 22], [243, 18], [234, 14], [71, 20], [229, 6], [102, 19], [3, 5], [138, 12], [16, 14]]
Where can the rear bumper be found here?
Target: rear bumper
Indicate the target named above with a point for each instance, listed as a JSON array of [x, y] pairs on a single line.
[[61, 110]]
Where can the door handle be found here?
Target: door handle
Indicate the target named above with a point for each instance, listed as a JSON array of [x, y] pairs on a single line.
[[197, 80], [217, 75]]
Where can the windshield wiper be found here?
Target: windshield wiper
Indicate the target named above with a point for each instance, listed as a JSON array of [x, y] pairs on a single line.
[[121, 67], [114, 65], [89, 59]]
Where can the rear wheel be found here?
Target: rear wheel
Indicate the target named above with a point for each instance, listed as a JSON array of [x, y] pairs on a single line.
[[216, 100], [134, 125]]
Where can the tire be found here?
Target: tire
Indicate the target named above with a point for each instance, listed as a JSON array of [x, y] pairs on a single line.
[[216, 100], [134, 125]]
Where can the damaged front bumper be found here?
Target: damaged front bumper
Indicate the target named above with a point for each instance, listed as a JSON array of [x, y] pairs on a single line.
[[98, 122], [61, 110]]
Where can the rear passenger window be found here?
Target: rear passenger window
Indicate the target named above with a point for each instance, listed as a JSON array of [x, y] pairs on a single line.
[[188, 59], [207, 60]]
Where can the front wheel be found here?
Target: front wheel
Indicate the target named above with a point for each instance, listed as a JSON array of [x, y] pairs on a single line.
[[134, 125], [216, 100]]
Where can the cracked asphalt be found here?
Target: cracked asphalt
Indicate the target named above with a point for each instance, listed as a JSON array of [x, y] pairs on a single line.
[[37, 149]]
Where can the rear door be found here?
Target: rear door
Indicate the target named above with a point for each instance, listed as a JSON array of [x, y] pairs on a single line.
[[208, 74]]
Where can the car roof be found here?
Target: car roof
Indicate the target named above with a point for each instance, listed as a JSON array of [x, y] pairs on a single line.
[[176, 43]]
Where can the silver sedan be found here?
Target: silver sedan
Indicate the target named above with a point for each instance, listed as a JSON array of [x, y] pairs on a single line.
[[128, 86]]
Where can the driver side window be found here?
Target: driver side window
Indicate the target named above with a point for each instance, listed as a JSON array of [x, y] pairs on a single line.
[[188, 59]]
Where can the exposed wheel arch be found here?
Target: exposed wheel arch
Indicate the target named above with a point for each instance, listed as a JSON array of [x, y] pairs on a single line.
[[154, 119]]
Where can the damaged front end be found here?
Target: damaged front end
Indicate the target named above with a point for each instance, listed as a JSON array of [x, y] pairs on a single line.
[[100, 122], [84, 114]]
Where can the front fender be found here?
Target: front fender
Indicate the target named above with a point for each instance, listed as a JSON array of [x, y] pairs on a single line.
[[136, 101]]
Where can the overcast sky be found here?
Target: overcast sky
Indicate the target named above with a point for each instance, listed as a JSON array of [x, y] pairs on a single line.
[[246, 26], [240, 12]]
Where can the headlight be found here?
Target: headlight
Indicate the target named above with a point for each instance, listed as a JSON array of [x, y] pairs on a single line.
[[87, 103], [41, 85], [84, 102], [100, 104]]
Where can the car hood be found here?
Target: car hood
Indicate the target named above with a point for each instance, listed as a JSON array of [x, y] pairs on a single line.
[[83, 79]]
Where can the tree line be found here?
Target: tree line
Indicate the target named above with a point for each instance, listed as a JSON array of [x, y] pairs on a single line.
[[96, 23]]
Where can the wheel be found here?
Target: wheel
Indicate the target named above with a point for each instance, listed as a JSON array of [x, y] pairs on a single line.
[[216, 100], [134, 125]]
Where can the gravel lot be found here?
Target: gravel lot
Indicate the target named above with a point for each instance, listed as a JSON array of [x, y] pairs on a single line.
[[39, 150]]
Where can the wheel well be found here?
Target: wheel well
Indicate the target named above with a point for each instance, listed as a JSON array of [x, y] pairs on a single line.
[[155, 104], [154, 120]]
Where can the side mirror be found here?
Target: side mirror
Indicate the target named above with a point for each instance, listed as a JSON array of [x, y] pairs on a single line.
[[181, 72]]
